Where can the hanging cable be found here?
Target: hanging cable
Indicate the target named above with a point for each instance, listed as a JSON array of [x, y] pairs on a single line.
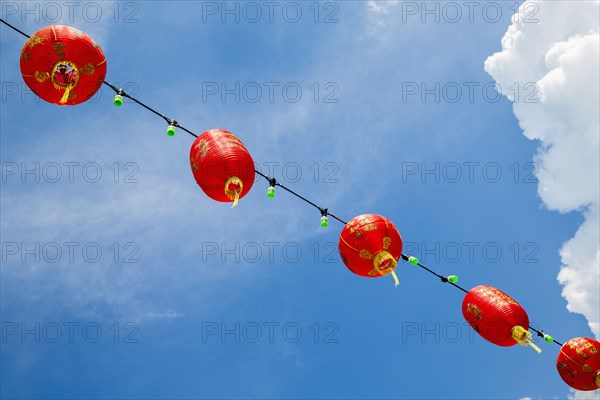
[[272, 182], [15, 29]]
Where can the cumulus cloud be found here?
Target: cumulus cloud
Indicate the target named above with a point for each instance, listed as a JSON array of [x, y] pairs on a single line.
[[552, 57]]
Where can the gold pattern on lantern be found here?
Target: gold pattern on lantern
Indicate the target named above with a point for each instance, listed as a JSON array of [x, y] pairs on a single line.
[[386, 242], [26, 56], [357, 235], [369, 227], [87, 69], [473, 309], [203, 146], [41, 77], [34, 41], [364, 253], [59, 49], [586, 368]]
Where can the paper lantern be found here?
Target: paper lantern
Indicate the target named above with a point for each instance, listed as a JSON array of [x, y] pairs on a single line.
[[370, 246], [497, 317], [578, 363], [222, 166], [62, 65]]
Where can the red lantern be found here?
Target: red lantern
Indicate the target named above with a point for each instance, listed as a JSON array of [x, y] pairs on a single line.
[[497, 317], [370, 246], [222, 166], [578, 363], [62, 65]]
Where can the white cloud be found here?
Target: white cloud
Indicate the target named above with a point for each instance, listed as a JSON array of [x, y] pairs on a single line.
[[381, 7], [577, 395], [553, 59]]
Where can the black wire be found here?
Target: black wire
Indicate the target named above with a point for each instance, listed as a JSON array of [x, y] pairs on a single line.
[[15, 29], [542, 333], [442, 277], [324, 211], [445, 280], [170, 121]]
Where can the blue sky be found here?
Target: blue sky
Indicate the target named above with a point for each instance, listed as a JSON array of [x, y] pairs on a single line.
[[176, 312]]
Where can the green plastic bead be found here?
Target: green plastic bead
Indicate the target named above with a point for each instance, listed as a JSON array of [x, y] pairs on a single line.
[[170, 130], [548, 338], [324, 221], [413, 260], [271, 192], [453, 278], [118, 101]]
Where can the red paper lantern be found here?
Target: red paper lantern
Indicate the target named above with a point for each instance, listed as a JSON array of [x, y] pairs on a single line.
[[62, 65], [222, 166], [370, 246], [497, 317], [578, 363]]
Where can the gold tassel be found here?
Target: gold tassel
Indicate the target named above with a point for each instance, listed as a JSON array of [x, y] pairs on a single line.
[[236, 199], [523, 337], [234, 195], [379, 259], [396, 282], [65, 97], [535, 347]]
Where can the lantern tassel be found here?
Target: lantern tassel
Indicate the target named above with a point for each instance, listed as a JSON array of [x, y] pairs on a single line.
[[65, 96], [535, 347], [236, 199], [234, 194], [523, 337], [396, 282]]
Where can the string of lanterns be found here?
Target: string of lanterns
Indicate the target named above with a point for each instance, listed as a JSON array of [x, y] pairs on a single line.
[[64, 66]]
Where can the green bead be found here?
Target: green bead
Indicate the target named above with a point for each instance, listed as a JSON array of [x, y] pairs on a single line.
[[453, 278], [324, 221], [413, 260], [118, 101], [548, 338], [271, 192], [170, 130]]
